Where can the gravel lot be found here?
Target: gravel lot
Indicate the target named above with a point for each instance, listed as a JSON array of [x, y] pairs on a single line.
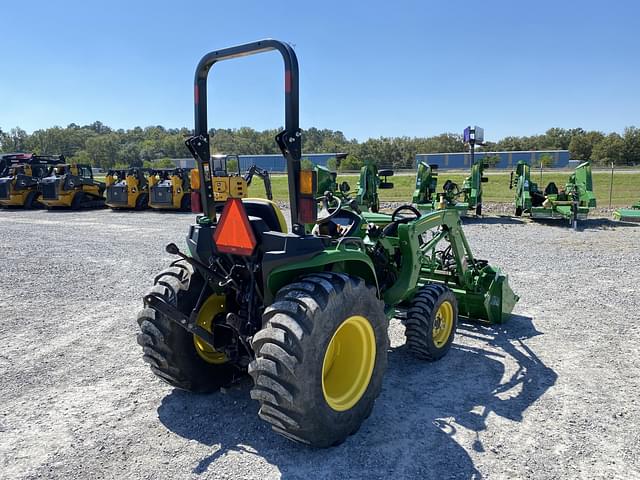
[[554, 393]]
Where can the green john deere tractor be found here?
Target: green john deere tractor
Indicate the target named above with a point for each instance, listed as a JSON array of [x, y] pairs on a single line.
[[571, 203], [424, 195], [305, 312], [464, 199], [370, 181]]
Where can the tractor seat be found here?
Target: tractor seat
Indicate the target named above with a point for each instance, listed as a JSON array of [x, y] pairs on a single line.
[[391, 230], [551, 189], [268, 211]]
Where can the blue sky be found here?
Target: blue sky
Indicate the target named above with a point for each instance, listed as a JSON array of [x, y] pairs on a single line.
[[369, 69]]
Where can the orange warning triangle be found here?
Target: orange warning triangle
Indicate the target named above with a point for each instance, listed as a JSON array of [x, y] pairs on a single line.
[[233, 233]]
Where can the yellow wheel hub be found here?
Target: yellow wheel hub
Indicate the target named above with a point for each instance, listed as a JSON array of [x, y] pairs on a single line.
[[214, 305], [348, 363], [443, 324]]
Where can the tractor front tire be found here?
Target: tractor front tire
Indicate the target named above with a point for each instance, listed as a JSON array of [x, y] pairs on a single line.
[[518, 211], [320, 358], [431, 322], [168, 348]]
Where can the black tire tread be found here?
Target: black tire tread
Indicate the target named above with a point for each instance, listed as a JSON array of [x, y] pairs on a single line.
[[157, 336], [418, 322], [280, 349]]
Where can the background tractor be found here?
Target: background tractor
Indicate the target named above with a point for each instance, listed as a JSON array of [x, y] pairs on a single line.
[[21, 176], [127, 188], [469, 197], [170, 189], [305, 312], [571, 203], [424, 195], [231, 184], [71, 186], [369, 183], [366, 197]]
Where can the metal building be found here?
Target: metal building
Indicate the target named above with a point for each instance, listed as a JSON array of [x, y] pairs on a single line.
[[272, 163], [560, 158]]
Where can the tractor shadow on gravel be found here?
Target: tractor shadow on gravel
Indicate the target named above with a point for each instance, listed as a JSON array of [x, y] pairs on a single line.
[[588, 224], [411, 431], [493, 220]]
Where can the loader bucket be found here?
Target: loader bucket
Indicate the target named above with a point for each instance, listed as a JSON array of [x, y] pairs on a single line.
[[495, 301], [500, 299]]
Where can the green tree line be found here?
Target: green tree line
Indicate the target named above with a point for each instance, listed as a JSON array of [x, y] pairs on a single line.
[[105, 147]]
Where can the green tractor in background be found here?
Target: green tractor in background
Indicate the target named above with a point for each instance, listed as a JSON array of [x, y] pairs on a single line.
[[305, 311], [424, 195], [370, 181], [469, 197], [571, 203]]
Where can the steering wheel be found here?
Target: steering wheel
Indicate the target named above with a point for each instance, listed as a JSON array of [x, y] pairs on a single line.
[[401, 208], [325, 215]]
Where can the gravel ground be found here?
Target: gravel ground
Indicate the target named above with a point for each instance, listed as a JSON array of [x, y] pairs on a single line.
[[554, 393]]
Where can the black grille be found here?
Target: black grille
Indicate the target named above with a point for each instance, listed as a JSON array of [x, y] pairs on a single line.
[[161, 195], [5, 186], [117, 195], [50, 190]]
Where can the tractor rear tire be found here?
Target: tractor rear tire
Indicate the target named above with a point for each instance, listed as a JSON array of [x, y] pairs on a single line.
[[320, 358], [168, 348], [518, 211], [479, 209], [431, 322]]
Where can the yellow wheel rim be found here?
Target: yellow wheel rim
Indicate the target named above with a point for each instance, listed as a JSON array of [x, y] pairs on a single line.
[[348, 363], [214, 305], [443, 324]]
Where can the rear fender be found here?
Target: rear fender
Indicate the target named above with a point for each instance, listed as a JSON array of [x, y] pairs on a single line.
[[350, 261]]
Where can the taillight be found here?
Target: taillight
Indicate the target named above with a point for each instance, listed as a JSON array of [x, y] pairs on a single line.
[[233, 233], [307, 210], [194, 179], [308, 181], [196, 204], [307, 206]]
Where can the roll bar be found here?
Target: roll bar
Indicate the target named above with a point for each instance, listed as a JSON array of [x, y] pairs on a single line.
[[289, 140]]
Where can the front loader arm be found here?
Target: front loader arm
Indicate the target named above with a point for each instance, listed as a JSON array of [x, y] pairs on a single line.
[[413, 252]]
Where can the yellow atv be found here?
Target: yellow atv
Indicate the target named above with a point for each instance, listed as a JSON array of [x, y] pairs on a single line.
[[72, 186], [20, 178], [170, 189], [127, 189]]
